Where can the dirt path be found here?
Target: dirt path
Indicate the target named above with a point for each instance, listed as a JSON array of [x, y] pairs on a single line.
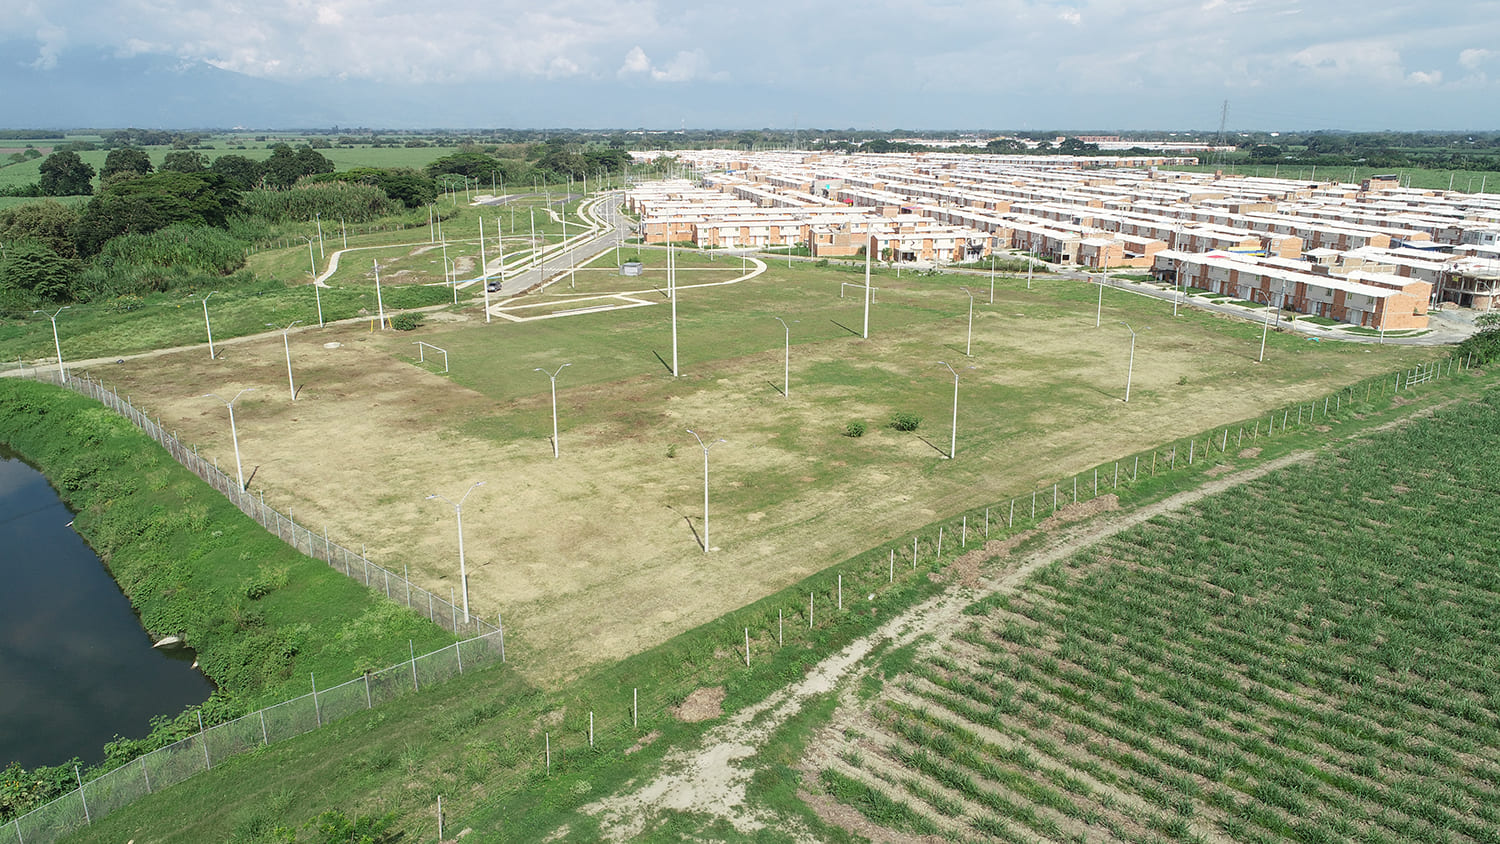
[[710, 779]]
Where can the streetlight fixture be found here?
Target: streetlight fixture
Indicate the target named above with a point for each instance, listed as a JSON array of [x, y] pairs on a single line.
[[234, 433], [953, 440], [553, 377], [1130, 370], [786, 367], [209, 326], [61, 372], [286, 341], [969, 343], [705, 447], [463, 571]]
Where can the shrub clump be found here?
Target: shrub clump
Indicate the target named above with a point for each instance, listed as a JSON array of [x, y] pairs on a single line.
[[854, 429], [406, 322], [904, 421]]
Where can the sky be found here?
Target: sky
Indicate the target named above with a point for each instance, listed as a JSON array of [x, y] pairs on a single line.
[[783, 64]]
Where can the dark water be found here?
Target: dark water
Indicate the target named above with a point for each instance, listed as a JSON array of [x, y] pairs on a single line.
[[76, 669]]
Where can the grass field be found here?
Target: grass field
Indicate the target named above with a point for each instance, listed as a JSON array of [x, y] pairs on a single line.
[[1465, 181], [607, 538], [1331, 679]]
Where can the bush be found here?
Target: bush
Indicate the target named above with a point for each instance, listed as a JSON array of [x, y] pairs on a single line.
[[905, 421], [406, 322], [854, 429]]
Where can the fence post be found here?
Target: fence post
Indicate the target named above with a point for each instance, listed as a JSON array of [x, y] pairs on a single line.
[[144, 774], [264, 736], [457, 649], [82, 796], [413, 648], [500, 628], [369, 702], [317, 710]]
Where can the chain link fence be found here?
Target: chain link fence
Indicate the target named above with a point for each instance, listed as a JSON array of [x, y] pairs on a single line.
[[209, 747], [441, 611]]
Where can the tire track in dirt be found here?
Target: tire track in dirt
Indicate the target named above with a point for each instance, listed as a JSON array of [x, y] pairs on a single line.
[[710, 778]]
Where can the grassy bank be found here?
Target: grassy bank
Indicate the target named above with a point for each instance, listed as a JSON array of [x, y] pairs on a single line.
[[480, 742], [261, 616]]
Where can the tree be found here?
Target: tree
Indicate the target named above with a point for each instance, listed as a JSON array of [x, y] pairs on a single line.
[[48, 222], [145, 204], [128, 160], [34, 273], [471, 164], [65, 174], [184, 161], [286, 166], [241, 172], [1265, 153]]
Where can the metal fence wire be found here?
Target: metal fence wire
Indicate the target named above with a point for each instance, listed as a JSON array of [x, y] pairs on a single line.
[[200, 752], [439, 610], [177, 762]]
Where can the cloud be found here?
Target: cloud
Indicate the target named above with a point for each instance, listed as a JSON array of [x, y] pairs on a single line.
[[1072, 16], [1473, 57], [686, 66], [50, 42], [636, 61], [1351, 59], [1425, 77]]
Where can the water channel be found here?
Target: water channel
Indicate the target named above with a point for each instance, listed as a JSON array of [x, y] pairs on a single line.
[[76, 668]]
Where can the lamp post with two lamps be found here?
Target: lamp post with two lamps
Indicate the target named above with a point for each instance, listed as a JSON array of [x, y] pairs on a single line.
[[1130, 370], [463, 571], [61, 372], [553, 377], [234, 433], [287, 343], [705, 447]]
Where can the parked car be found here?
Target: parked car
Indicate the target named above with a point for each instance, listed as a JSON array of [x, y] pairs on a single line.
[[493, 286]]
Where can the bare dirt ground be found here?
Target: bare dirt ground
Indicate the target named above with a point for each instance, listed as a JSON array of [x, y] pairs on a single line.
[[597, 555], [711, 778]]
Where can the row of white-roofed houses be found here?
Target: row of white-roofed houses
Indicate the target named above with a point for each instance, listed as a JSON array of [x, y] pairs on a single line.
[[948, 209]]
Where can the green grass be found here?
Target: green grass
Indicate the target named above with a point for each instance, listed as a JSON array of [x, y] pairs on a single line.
[[1366, 331], [478, 740], [260, 615], [1421, 178]]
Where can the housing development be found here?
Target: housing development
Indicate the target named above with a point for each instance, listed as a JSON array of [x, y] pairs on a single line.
[[1374, 254]]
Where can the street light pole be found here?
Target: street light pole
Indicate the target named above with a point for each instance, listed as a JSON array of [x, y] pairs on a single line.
[[786, 367], [705, 448], [672, 294], [379, 304], [969, 343], [553, 376], [286, 341], [992, 278], [61, 372], [953, 441], [208, 325], [234, 433], [463, 571], [484, 266], [1130, 370], [868, 249]]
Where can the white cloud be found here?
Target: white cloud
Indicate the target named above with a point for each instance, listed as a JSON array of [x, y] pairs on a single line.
[[1071, 16], [1351, 59], [50, 42], [1425, 77], [636, 61], [686, 66], [1473, 57]]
